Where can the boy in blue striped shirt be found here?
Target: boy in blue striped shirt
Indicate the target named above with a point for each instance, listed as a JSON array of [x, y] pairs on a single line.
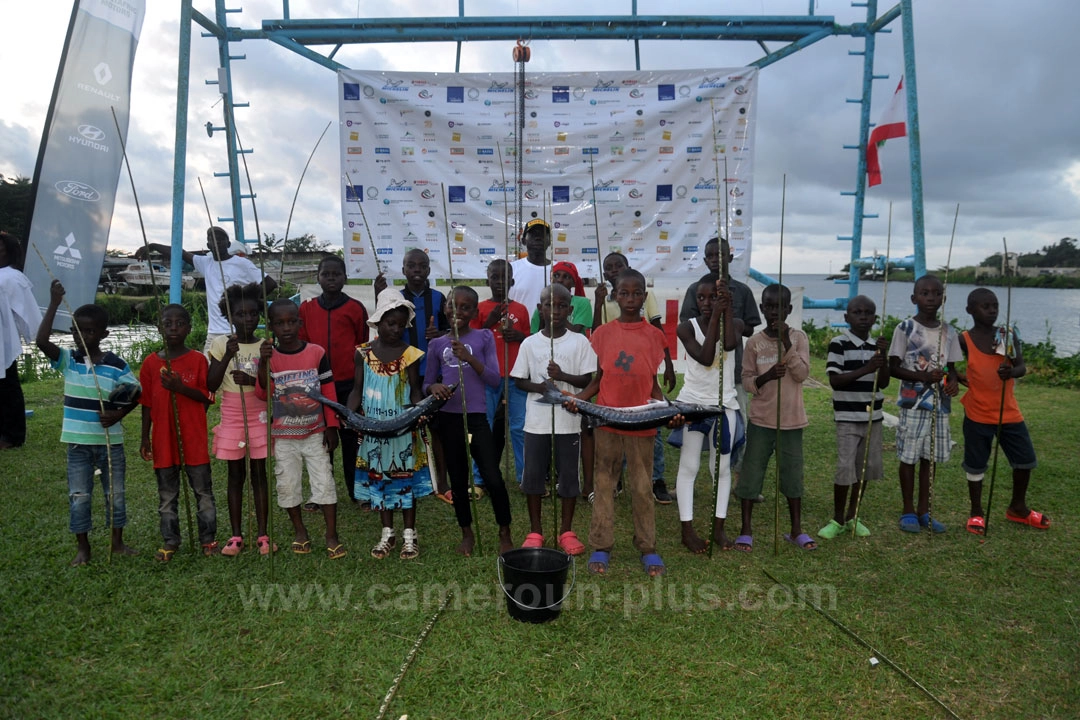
[[91, 426], [858, 369]]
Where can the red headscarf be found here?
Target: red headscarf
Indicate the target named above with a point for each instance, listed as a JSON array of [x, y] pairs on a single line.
[[570, 269]]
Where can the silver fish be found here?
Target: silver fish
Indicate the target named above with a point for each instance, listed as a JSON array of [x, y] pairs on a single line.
[[641, 417], [400, 424]]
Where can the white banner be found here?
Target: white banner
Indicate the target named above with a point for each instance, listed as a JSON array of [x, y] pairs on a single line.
[[655, 142]]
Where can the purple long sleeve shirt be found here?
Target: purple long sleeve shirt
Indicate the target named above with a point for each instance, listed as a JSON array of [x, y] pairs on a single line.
[[442, 366]]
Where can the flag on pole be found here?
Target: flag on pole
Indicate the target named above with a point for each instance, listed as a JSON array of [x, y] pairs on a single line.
[[893, 124]]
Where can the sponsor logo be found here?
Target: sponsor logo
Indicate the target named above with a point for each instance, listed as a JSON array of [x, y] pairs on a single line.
[[635, 93], [474, 193], [562, 251], [705, 184], [424, 94], [103, 73], [605, 86], [395, 86], [91, 137], [712, 82], [663, 249], [426, 194], [354, 150], [499, 186], [384, 251], [562, 151], [500, 87], [665, 92], [77, 190], [485, 151], [560, 194], [606, 186], [693, 149], [67, 255], [350, 91], [457, 151], [590, 151], [455, 94], [635, 194], [741, 90], [667, 150], [663, 193], [396, 185], [560, 94], [382, 151], [487, 251], [354, 193], [98, 91], [372, 192]]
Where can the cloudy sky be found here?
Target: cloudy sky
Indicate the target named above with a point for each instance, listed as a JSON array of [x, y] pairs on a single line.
[[999, 117]]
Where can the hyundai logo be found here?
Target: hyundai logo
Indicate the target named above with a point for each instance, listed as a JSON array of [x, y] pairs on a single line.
[[92, 133]]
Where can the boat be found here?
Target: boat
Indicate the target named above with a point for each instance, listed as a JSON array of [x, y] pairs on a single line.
[[138, 275]]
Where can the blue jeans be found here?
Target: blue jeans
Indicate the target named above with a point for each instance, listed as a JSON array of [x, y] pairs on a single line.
[[516, 408], [82, 460], [168, 482], [658, 467]]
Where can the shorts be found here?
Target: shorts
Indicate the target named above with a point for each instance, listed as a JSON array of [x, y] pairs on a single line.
[[760, 443], [978, 443], [851, 452], [534, 478], [290, 456], [913, 436]]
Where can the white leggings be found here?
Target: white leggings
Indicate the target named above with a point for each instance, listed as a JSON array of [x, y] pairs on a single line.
[[690, 462]]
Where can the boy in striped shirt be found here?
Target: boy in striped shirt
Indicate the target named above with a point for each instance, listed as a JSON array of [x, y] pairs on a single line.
[[858, 369], [91, 425]]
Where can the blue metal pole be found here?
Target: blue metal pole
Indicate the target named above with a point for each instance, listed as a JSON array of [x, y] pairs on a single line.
[[918, 218], [864, 136], [230, 123], [183, 72]]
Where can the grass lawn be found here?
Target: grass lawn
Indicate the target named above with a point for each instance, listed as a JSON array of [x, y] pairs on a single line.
[[992, 629]]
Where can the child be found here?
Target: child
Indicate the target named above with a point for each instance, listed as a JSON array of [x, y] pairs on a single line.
[[305, 432], [175, 400], [607, 309], [568, 359], [531, 271], [857, 371], [994, 356], [566, 274], [701, 384], [338, 324], [917, 356], [391, 473], [628, 352], [467, 357], [240, 438], [91, 422], [509, 322], [767, 374]]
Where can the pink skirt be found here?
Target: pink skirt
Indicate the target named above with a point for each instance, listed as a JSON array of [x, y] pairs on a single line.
[[230, 440]]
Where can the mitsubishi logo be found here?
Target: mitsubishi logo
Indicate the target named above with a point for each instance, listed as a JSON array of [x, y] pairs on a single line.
[[102, 73], [68, 248]]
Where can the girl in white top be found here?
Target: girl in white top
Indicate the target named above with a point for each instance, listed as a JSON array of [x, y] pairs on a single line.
[[701, 384]]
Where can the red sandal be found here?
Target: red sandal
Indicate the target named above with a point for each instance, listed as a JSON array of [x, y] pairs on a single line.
[[1033, 519]]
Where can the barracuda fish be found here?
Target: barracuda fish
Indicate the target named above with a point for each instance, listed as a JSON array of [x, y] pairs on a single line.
[[398, 425], [639, 417]]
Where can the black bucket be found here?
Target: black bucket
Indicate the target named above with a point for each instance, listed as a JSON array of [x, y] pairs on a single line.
[[532, 580]]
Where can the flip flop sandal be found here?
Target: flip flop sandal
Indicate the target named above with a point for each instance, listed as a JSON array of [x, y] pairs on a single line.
[[801, 541], [654, 566], [533, 540], [570, 543], [1033, 519], [164, 555], [337, 552], [210, 548], [301, 548], [312, 507], [976, 525], [909, 522], [601, 558], [926, 521], [233, 547], [744, 543], [447, 497]]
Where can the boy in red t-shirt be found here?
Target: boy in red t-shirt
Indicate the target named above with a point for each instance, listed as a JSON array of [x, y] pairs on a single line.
[[174, 399], [628, 353], [508, 320]]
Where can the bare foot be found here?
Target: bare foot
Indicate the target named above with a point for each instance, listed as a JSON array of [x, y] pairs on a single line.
[[691, 540], [82, 557], [123, 549], [505, 543], [722, 540], [468, 541]]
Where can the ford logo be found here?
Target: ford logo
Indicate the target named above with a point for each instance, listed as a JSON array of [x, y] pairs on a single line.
[[92, 133], [78, 190]]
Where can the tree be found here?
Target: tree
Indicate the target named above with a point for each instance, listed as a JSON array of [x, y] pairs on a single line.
[[15, 194], [307, 242]]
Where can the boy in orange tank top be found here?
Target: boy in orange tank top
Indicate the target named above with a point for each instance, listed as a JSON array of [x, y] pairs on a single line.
[[994, 356]]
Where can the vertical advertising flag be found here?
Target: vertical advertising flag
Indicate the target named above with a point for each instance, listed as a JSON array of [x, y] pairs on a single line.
[[79, 165]]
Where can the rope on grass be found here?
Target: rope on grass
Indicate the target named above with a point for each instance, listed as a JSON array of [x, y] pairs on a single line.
[[877, 653], [389, 697]]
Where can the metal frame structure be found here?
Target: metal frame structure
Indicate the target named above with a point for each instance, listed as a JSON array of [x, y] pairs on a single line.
[[796, 31]]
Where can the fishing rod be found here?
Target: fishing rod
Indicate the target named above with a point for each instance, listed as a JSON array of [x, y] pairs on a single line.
[[97, 386], [288, 224], [551, 354], [1006, 336], [410, 656], [943, 330], [860, 490], [165, 350], [460, 370], [724, 271], [596, 223], [779, 357], [506, 346], [363, 217]]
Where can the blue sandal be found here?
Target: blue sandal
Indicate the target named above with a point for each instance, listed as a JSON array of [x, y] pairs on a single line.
[[654, 566], [926, 521], [909, 522], [601, 558]]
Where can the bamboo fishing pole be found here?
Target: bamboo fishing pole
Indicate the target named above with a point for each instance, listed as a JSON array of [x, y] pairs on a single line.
[[551, 354], [1006, 337], [860, 489], [506, 346], [270, 335], [165, 350], [724, 270], [943, 331], [101, 398], [253, 515], [596, 224], [288, 224], [367, 228], [779, 357], [460, 370]]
